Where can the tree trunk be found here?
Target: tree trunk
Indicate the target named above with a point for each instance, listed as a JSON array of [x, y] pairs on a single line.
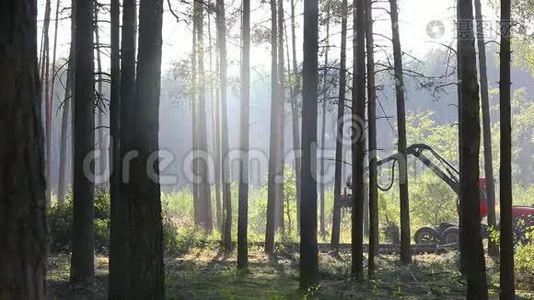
[[405, 253], [101, 106], [272, 175], [204, 187], [119, 286], [45, 86], [371, 116], [308, 238], [493, 248], [119, 252], [197, 205], [50, 101], [214, 96], [472, 250], [227, 201], [336, 215], [294, 110], [281, 120], [507, 242], [322, 224], [67, 109], [120, 210], [358, 140], [82, 260], [22, 188], [242, 241], [146, 230]]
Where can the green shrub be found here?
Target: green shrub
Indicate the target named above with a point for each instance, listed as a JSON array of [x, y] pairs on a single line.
[[60, 223], [524, 266]]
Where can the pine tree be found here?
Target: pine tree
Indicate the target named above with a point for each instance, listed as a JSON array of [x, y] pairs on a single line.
[[146, 228], [82, 260], [22, 188], [506, 234], [308, 238], [471, 241], [242, 239]]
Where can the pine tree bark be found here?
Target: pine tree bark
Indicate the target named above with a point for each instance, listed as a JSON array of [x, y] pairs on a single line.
[[493, 248], [45, 89], [101, 107], [506, 230], [371, 116], [322, 224], [119, 252], [281, 120], [197, 205], [272, 175], [358, 139], [242, 227], [336, 214], [62, 184], [82, 260], [472, 250], [22, 188], [227, 201], [50, 100], [146, 229], [119, 286], [294, 110], [405, 253], [214, 96], [204, 187], [67, 111], [308, 238]]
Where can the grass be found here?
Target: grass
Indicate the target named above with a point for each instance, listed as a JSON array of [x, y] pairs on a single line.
[[207, 273]]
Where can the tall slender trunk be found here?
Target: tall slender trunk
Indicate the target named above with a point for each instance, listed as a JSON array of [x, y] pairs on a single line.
[[22, 188], [371, 116], [287, 210], [44, 39], [507, 242], [405, 253], [82, 260], [45, 86], [308, 238], [242, 247], [101, 107], [118, 256], [322, 224], [146, 230], [214, 97], [493, 248], [204, 187], [67, 110], [227, 201], [271, 185], [460, 139], [336, 215], [472, 250], [358, 142], [280, 158], [294, 110], [51, 101], [272, 175], [194, 118], [119, 286]]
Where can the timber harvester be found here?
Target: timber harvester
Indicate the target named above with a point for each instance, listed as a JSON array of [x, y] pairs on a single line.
[[446, 233]]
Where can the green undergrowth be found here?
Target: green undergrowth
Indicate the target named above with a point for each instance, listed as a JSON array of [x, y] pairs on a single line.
[[208, 273]]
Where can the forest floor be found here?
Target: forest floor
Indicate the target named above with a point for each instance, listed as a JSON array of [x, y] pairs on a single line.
[[207, 273]]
